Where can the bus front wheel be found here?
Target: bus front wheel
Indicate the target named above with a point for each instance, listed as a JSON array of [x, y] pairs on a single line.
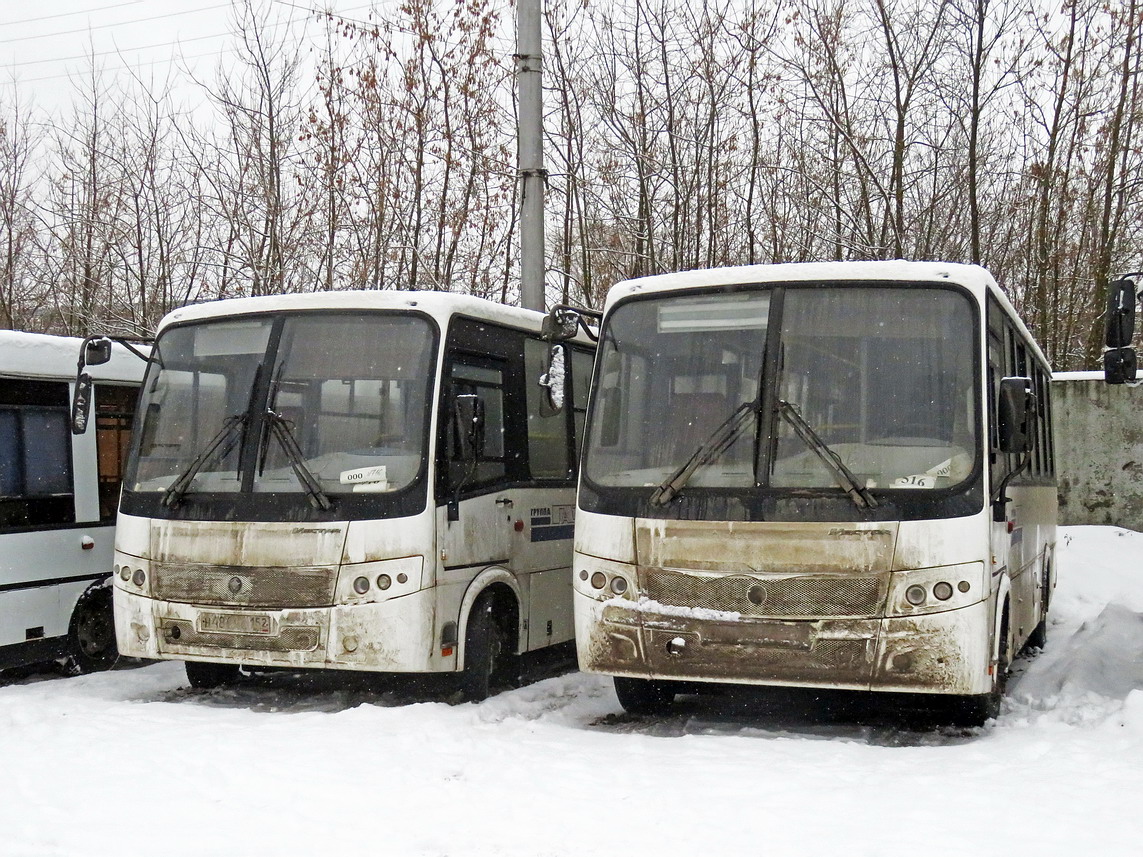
[[644, 696], [205, 676], [91, 633], [484, 645]]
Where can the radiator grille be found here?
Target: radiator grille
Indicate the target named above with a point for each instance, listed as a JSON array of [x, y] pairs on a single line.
[[245, 586], [799, 597]]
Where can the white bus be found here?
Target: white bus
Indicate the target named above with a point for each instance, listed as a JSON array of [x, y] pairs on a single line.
[[834, 475], [58, 494], [351, 480]]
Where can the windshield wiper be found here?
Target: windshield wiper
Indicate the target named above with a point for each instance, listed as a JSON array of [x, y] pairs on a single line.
[[717, 443], [844, 476], [219, 445], [280, 429]]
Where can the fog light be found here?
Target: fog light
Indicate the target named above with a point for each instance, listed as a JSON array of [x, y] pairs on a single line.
[[618, 585], [915, 595], [402, 578], [361, 585], [138, 578], [964, 586], [124, 574], [583, 574], [943, 591], [599, 580], [384, 581]]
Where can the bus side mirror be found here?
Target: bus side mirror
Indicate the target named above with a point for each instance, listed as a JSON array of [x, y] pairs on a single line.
[[554, 381], [1119, 357], [96, 351], [1119, 365], [1015, 409], [1120, 318], [559, 324], [469, 409]]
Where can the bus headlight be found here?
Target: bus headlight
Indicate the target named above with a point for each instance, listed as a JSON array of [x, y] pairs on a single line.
[[367, 582], [932, 590], [602, 579]]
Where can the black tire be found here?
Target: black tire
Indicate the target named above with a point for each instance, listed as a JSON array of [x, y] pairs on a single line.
[[1039, 636], [484, 653], [91, 633], [644, 696], [207, 675]]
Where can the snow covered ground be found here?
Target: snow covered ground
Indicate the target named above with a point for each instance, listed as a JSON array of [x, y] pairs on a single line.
[[133, 763]]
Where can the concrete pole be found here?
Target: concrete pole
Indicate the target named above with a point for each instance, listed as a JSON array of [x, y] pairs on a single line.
[[530, 152]]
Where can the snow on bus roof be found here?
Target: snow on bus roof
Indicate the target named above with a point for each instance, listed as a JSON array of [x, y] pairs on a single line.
[[42, 355], [973, 277], [440, 305]]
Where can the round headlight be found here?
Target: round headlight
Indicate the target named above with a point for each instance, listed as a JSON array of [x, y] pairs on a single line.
[[384, 581], [943, 591], [124, 574], [599, 580], [402, 578], [964, 586], [618, 585], [583, 574], [361, 585], [138, 578], [915, 595]]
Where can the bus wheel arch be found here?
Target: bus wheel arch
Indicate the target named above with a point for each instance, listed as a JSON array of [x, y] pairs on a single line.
[[488, 647], [91, 632]]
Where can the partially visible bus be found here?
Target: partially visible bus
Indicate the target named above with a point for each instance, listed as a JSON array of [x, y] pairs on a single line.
[[834, 475], [58, 495], [378, 481]]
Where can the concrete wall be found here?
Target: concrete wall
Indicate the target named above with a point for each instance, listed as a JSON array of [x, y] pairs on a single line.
[[1099, 450]]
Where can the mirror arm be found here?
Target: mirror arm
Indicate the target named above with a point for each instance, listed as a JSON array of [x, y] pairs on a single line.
[[1000, 498]]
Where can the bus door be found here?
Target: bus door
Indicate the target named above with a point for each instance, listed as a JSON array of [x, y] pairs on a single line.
[[507, 473], [474, 485]]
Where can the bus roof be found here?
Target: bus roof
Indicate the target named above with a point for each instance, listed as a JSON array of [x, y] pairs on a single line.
[[973, 277], [439, 305], [41, 355]]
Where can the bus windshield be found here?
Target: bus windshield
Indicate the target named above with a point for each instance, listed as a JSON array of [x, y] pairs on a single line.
[[854, 388], [317, 404]]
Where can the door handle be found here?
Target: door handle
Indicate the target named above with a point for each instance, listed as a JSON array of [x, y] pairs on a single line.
[[506, 502]]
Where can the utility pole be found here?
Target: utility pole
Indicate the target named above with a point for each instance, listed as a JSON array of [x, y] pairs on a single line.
[[530, 152]]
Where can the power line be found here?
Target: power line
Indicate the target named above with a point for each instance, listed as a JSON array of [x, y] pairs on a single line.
[[40, 18], [91, 27]]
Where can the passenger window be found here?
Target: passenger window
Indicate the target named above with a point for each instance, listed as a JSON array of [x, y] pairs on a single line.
[[485, 380], [35, 455], [114, 411], [548, 453]]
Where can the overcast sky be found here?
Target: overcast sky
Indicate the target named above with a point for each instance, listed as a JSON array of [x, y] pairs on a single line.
[[45, 46]]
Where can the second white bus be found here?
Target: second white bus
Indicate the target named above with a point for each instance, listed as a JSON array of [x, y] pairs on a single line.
[[834, 475]]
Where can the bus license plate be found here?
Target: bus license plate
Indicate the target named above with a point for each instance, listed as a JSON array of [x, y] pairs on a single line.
[[235, 623]]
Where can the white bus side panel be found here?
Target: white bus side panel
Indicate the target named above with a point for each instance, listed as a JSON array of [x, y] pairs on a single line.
[[33, 559]]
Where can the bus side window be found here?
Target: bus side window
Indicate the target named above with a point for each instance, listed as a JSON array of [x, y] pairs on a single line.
[[114, 411], [35, 455], [549, 456], [582, 362], [484, 379]]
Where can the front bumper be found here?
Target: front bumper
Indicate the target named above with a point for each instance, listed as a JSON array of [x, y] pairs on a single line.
[[944, 652], [389, 636]]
